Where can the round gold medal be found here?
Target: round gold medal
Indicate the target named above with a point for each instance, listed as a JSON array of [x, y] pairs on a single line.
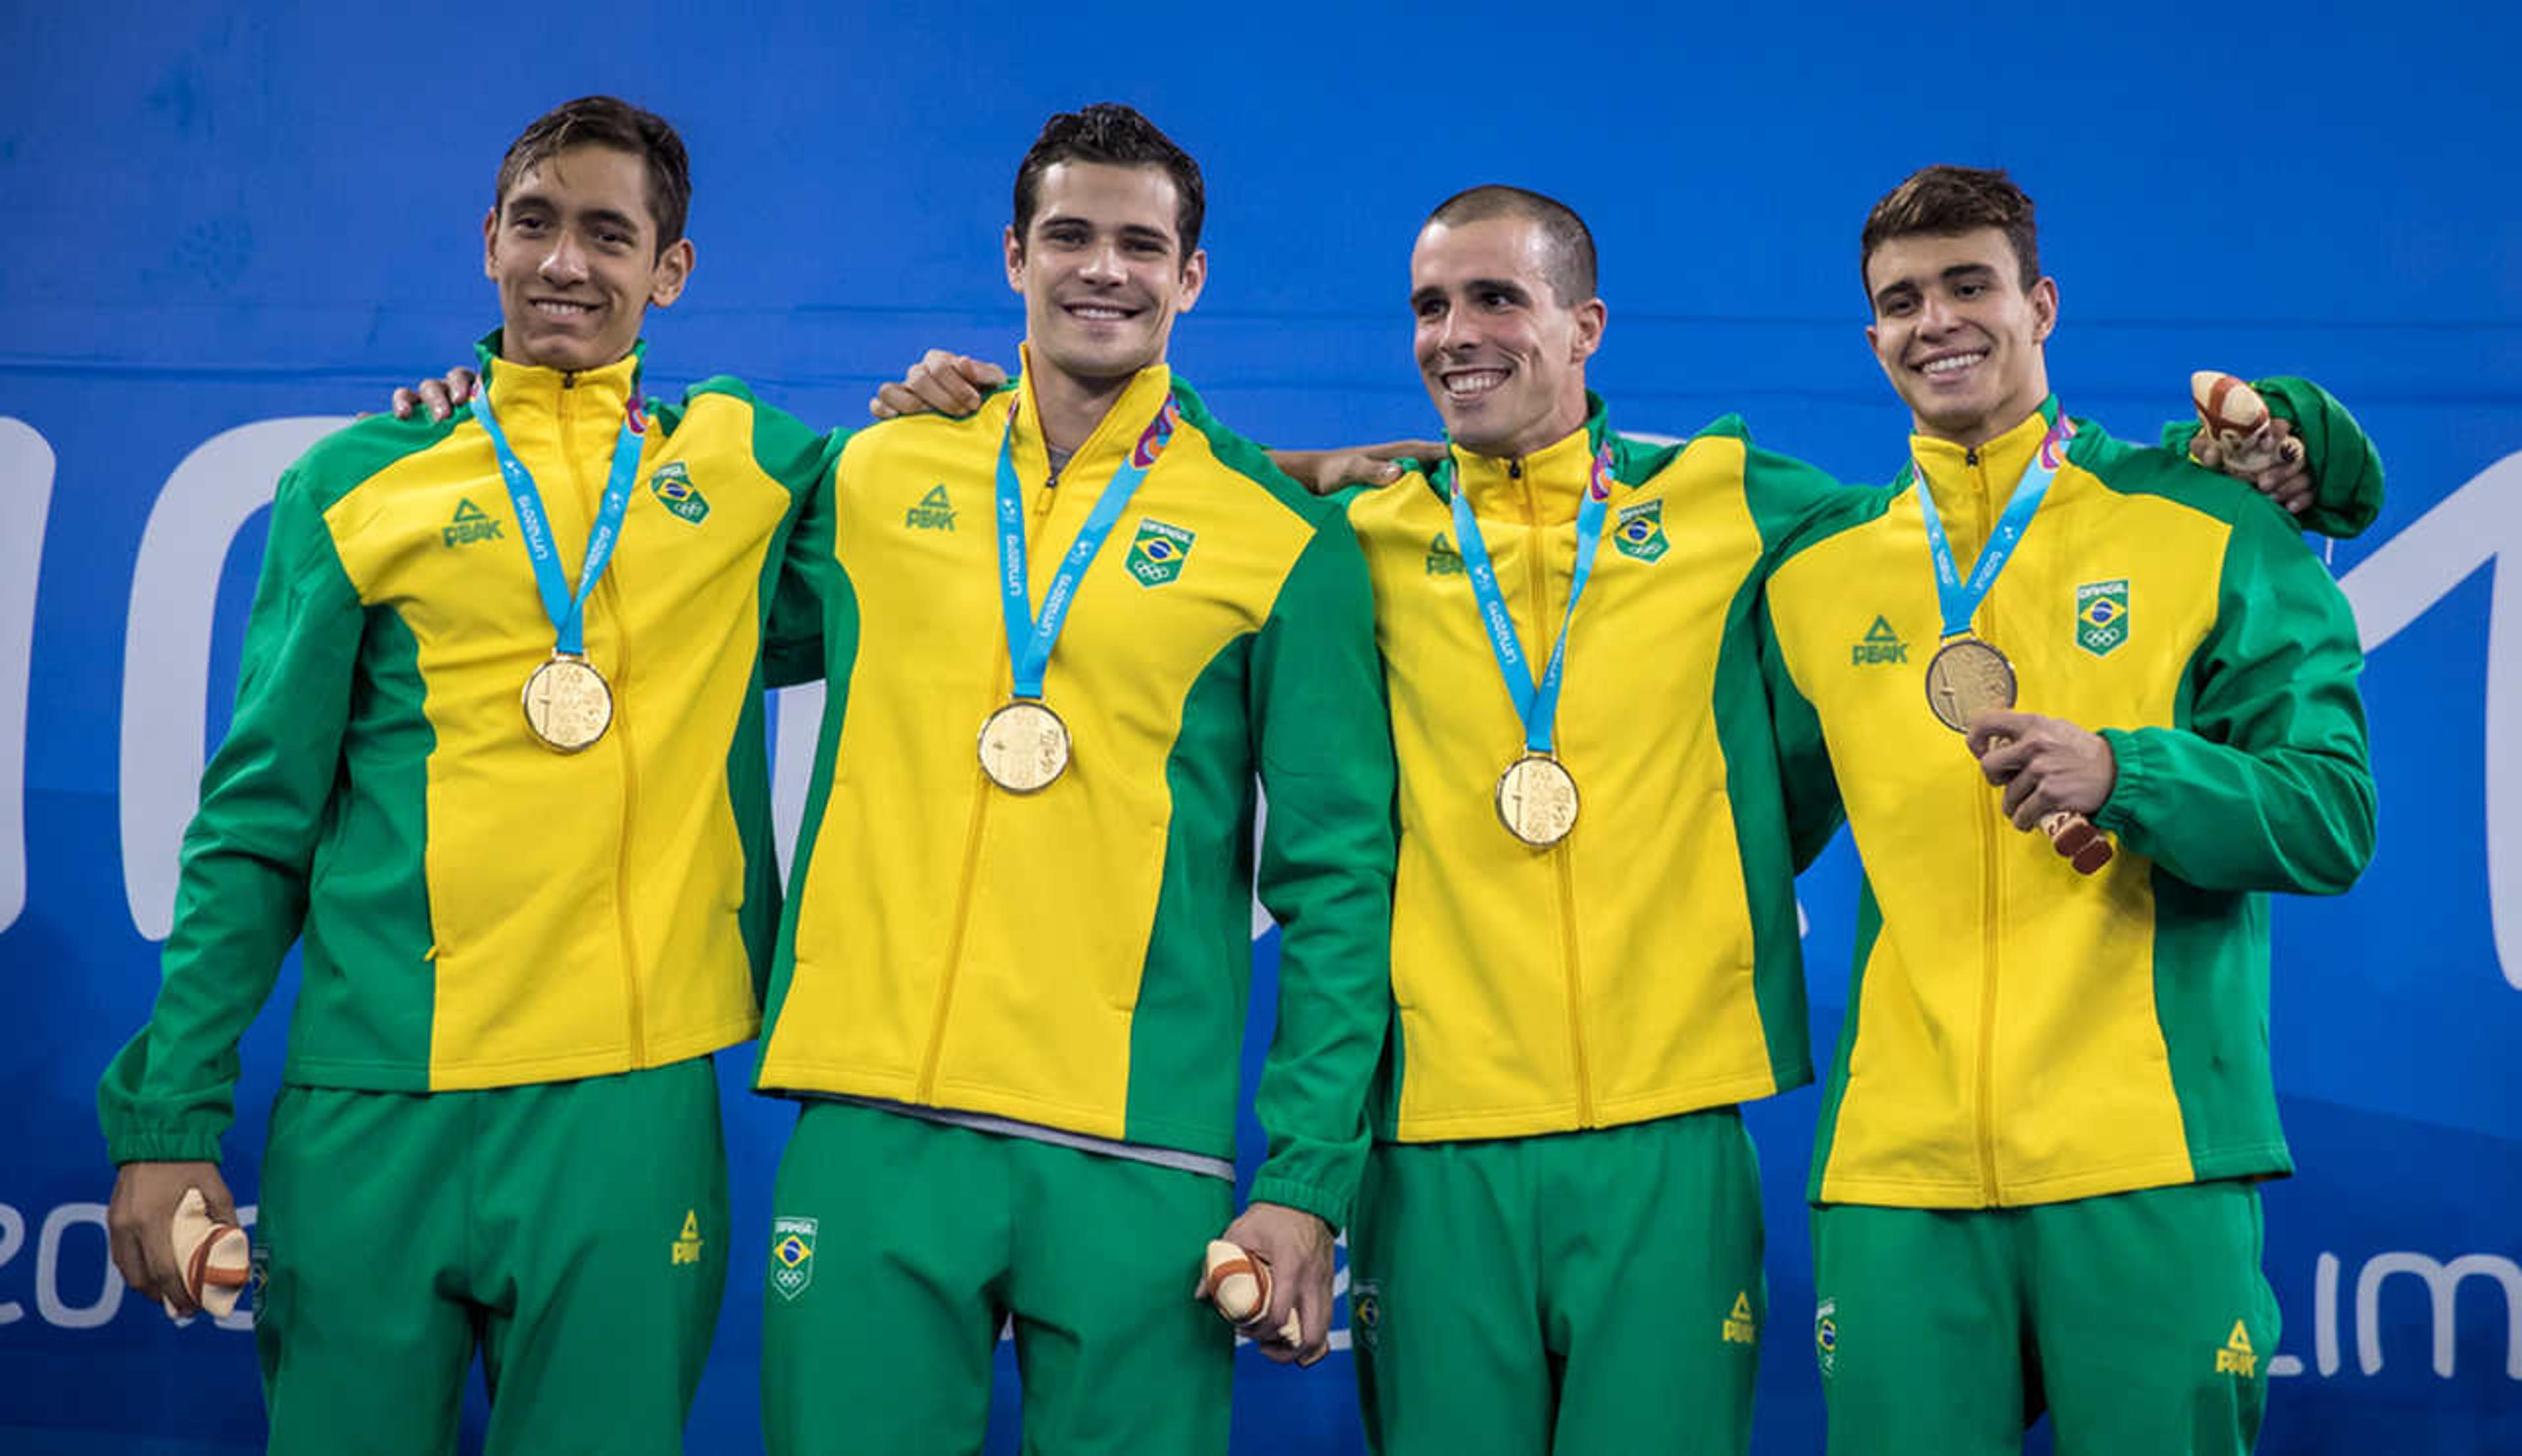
[[1024, 746], [1536, 800], [568, 703], [1966, 677]]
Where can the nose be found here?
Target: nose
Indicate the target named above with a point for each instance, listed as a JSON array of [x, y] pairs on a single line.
[[566, 263], [1102, 265], [1935, 314], [1456, 334]]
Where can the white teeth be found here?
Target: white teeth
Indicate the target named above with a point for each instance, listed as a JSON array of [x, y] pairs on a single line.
[[560, 309], [1471, 382], [1953, 364], [1090, 311]]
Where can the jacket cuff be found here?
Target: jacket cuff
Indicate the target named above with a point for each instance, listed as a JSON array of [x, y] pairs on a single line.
[[1331, 1209], [2132, 755], [163, 1145]]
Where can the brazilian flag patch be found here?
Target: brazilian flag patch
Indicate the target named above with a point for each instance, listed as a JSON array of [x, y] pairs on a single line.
[[1640, 532], [2102, 616], [792, 1255], [674, 488], [1157, 553]]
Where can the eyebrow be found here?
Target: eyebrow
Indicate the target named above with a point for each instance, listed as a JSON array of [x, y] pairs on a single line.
[[1958, 273], [1131, 231], [1505, 286]]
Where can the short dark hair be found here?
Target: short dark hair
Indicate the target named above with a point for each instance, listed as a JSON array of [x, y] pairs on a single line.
[[1572, 242], [1947, 201], [609, 121], [1115, 135]]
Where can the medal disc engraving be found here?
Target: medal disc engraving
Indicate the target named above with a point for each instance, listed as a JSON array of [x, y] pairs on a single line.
[[568, 704], [1966, 677], [1024, 747], [1536, 800]]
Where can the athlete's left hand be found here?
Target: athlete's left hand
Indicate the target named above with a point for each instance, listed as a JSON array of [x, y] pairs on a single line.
[[1298, 1248], [2044, 764], [2288, 482]]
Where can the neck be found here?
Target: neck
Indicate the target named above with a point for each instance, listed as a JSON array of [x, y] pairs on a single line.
[[1071, 407], [1562, 422]]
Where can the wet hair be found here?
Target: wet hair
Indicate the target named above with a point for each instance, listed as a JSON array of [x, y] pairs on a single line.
[[1114, 135], [609, 121], [1947, 201], [1571, 243]]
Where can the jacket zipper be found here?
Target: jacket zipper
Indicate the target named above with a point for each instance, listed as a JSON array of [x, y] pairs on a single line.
[[1990, 890], [1538, 574], [925, 1089], [609, 588]]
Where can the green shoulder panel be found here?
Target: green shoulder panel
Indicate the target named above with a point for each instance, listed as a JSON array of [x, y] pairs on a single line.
[[1253, 463]]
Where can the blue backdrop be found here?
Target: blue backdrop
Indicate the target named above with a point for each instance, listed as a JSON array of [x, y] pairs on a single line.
[[228, 231]]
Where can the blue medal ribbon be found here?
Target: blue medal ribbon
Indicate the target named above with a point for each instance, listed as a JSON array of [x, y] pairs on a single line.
[[1536, 704], [1030, 638], [567, 610], [1958, 598]]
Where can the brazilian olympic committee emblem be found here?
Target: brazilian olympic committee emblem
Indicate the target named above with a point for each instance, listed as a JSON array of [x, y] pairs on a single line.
[[1826, 1336], [792, 1255], [1157, 553], [1640, 532], [673, 485], [1366, 1312], [2102, 616]]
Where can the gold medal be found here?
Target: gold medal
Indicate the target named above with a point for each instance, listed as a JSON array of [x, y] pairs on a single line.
[[1024, 746], [1536, 800], [1967, 678], [568, 703]]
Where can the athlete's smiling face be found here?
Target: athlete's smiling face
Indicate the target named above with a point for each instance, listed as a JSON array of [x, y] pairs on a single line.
[[572, 246], [1958, 334], [1102, 267], [1502, 355]]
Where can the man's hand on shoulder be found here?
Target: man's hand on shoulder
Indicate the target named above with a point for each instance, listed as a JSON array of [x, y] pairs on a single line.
[[439, 397], [2288, 482], [941, 382], [140, 1221], [1298, 1248], [1375, 465]]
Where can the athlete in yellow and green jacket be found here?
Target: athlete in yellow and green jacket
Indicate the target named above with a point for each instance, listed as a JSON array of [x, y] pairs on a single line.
[[1016, 1019], [499, 1122], [2052, 1091]]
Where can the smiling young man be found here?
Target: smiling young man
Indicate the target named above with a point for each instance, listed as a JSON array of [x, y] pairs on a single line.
[[1066, 635], [497, 761], [2034, 1179]]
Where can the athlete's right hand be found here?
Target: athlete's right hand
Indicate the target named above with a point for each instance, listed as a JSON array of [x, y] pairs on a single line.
[[1324, 471], [941, 382], [439, 396], [140, 1221]]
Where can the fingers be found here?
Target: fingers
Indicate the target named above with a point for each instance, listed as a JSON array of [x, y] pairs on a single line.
[[893, 399], [435, 396], [139, 1222], [404, 402], [981, 374], [2204, 450], [1355, 469], [1994, 729]]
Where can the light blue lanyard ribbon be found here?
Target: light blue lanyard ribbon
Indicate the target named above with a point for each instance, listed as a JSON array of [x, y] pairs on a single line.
[[1959, 598], [568, 612], [1536, 704], [1030, 640]]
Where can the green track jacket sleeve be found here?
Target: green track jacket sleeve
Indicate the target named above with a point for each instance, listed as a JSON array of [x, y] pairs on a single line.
[[1325, 750], [241, 899], [792, 648], [2267, 785], [2345, 471]]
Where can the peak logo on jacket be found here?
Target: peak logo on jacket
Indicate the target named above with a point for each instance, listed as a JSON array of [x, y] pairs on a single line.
[[1880, 645], [471, 524], [934, 512]]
